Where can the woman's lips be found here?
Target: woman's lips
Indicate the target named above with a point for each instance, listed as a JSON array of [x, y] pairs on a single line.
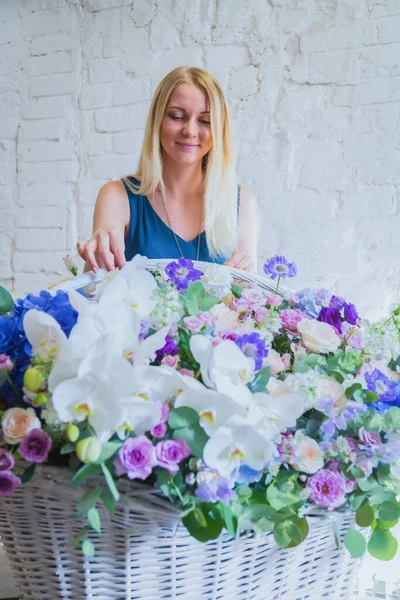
[[187, 146]]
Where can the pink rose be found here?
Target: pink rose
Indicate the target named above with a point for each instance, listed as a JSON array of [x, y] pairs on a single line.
[[254, 297], [260, 315], [290, 319], [170, 361], [273, 299], [241, 305], [366, 464], [369, 438], [207, 318], [187, 372], [194, 324]]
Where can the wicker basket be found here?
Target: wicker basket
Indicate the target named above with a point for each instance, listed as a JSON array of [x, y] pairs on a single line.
[[145, 553]]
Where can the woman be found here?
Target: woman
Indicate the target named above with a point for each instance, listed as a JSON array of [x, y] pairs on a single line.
[[183, 199]]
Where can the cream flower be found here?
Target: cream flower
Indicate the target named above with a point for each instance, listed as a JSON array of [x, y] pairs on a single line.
[[309, 456], [318, 336], [17, 423]]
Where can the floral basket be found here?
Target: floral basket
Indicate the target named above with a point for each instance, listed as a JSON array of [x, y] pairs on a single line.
[[223, 437]]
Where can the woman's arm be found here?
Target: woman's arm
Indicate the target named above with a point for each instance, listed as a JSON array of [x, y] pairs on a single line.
[[106, 247], [245, 257]]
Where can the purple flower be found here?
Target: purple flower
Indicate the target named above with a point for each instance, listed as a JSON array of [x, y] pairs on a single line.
[[366, 464], [182, 273], [337, 302], [6, 363], [278, 266], [253, 346], [328, 427], [327, 489], [286, 449], [136, 458], [6, 460], [215, 490], [8, 483], [169, 348], [387, 389], [159, 430], [35, 446], [350, 313], [331, 316], [369, 438], [170, 453]]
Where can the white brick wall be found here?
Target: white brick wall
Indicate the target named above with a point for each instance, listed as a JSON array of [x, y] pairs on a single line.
[[314, 89]]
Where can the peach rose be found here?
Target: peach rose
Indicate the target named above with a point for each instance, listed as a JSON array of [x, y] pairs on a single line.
[[309, 456], [318, 336], [274, 361], [17, 423], [226, 318]]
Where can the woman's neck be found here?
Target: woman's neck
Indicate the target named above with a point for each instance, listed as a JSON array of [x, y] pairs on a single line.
[[183, 180]]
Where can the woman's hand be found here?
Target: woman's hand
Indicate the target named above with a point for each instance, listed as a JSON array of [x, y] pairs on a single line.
[[241, 260], [106, 247]]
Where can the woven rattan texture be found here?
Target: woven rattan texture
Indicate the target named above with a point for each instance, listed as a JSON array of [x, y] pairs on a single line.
[[144, 555]]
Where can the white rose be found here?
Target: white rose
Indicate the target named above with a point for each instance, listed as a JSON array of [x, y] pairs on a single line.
[[309, 456], [274, 361], [327, 386], [318, 336], [276, 387]]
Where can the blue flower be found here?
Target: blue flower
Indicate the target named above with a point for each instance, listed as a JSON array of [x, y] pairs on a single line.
[[247, 475], [279, 266], [215, 490], [387, 389], [253, 346], [313, 299], [182, 273]]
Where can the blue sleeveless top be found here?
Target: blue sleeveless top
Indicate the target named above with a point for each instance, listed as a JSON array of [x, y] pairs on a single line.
[[149, 236]]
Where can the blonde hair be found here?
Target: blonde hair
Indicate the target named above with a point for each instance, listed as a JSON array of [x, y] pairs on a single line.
[[220, 183]]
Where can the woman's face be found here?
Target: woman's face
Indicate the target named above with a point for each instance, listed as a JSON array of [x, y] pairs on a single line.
[[185, 129]]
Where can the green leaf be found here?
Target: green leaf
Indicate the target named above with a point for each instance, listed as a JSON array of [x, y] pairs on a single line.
[[6, 301], [353, 388], [85, 472], [208, 302], [110, 482], [199, 517], [182, 417], [365, 516], [28, 473], [236, 289], [68, 448], [386, 524], [382, 545], [89, 499], [260, 381], [303, 527], [258, 511], [391, 419], [82, 533], [108, 500], [195, 437], [107, 451], [94, 519], [336, 534], [283, 497], [370, 397], [389, 511], [203, 534], [243, 492], [231, 521], [373, 422], [355, 543], [286, 532], [88, 548]]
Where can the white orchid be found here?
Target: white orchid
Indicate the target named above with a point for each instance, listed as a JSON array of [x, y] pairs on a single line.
[[235, 444], [224, 367], [45, 334], [275, 413], [214, 408]]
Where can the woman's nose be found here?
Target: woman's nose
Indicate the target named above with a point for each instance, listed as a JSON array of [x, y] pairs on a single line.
[[190, 129]]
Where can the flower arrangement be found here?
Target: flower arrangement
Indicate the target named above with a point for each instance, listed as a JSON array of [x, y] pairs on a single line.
[[244, 407]]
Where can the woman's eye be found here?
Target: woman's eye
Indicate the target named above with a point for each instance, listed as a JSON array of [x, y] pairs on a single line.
[[175, 117], [206, 122]]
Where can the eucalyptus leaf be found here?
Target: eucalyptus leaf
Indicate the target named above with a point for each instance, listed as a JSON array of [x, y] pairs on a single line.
[[107, 451], [6, 301], [89, 499], [389, 511], [110, 482], [211, 531], [94, 519], [382, 545], [182, 417], [355, 543], [28, 473], [85, 472], [195, 437], [365, 516], [88, 548]]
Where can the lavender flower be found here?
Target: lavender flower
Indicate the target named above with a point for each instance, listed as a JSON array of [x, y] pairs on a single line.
[[170, 453], [286, 449], [337, 302], [279, 266], [253, 346], [6, 460], [327, 489], [182, 273], [215, 490], [6, 363], [136, 458], [387, 389], [169, 348], [350, 313], [8, 483], [35, 446]]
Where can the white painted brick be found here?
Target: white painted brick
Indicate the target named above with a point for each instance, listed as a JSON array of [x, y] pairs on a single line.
[[51, 193], [45, 44], [28, 262], [6, 197], [106, 70], [38, 172], [95, 5], [46, 151], [131, 91], [379, 172], [25, 283], [34, 240], [335, 176], [340, 67], [243, 83], [120, 119], [45, 129], [8, 128], [163, 33], [63, 62], [338, 37], [367, 119], [389, 30], [59, 84], [374, 92], [45, 108], [221, 60], [127, 142], [113, 167], [380, 61], [46, 217], [10, 68], [97, 144], [88, 191], [374, 145], [7, 220], [9, 105], [172, 58], [97, 95], [143, 12], [8, 169], [51, 21]]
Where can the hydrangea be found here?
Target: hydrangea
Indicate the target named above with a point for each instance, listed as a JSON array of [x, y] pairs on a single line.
[[217, 281], [312, 300], [382, 343]]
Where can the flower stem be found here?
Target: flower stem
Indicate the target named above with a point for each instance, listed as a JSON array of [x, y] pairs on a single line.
[[277, 285], [14, 389]]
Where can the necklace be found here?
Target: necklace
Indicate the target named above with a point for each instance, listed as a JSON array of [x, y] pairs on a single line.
[[173, 232]]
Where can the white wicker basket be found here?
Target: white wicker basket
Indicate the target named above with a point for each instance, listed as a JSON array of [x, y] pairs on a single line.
[[145, 553]]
